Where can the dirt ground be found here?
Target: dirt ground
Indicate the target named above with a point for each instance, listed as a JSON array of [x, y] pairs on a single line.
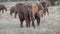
[[49, 24]]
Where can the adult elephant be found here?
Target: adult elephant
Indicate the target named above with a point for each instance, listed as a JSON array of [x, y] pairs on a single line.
[[24, 13], [45, 5], [37, 11], [2, 8]]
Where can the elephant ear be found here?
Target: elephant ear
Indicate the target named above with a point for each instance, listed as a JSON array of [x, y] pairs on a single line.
[[34, 6], [40, 13]]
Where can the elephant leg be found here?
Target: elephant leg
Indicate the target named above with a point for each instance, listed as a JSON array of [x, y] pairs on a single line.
[[15, 14], [47, 12], [32, 18], [21, 19], [10, 12], [27, 18], [2, 11], [37, 17], [29, 21], [38, 21]]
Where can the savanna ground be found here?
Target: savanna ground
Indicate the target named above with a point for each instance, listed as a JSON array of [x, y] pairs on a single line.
[[49, 24]]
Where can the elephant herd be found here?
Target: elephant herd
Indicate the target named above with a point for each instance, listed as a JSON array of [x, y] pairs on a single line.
[[28, 12]]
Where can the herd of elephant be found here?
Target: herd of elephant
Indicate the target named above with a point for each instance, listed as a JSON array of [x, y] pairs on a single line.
[[28, 12]]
